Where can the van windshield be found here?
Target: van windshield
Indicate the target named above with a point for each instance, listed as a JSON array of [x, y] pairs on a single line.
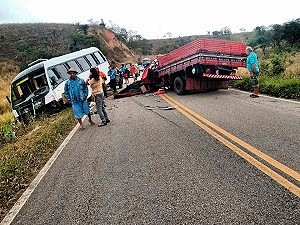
[[28, 86]]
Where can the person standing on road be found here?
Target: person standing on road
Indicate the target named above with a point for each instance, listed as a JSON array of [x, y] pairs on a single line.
[[76, 92], [252, 67], [104, 78], [112, 74], [133, 72], [96, 81], [125, 73]]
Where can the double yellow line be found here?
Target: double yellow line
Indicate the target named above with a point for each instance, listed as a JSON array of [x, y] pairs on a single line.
[[215, 131]]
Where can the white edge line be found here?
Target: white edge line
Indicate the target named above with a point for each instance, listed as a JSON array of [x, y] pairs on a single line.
[[266, 96], [24, 197]]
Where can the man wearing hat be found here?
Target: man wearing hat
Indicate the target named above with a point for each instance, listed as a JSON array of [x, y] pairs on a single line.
[[76, 92]]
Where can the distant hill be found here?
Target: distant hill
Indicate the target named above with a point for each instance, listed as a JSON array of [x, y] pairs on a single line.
[[27, 42]]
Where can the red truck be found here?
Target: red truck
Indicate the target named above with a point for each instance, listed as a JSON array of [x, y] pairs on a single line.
[[204, 64]]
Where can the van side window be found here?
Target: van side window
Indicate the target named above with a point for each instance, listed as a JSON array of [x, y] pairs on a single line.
[[91, 60], [83, 63], [53, 72], [62, 70], [54, 77], [95, 58], [100, 57], [73, 64]]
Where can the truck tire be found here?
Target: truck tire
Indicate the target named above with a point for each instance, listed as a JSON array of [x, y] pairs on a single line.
[[179, 85]]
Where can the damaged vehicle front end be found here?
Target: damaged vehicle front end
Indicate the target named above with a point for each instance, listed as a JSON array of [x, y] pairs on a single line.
[[31, 95]]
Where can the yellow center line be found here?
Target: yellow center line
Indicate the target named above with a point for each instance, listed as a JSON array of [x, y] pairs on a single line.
[[292, 173], [275, 176]]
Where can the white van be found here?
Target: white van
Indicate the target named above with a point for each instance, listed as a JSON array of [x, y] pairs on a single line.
[[39, 88]]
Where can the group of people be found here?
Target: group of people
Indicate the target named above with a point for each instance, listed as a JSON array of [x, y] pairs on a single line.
[[129, 70], [76, 93]]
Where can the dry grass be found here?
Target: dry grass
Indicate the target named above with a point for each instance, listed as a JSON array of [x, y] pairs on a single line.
[[293, 69], [5, 117], [8, 69], [21, 159], [242, 72]]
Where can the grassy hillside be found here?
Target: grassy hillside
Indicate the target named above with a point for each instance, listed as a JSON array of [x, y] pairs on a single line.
[[52, 37], [48, 40]]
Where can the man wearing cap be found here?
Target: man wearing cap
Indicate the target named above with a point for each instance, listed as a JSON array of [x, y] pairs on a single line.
[[76, 92]]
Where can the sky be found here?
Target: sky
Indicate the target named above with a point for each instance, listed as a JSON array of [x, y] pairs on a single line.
[[155, 18]]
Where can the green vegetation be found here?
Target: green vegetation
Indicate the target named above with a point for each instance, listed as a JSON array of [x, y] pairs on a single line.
[[281, 37], [80, 41], [26, 43], [280, 76], [277, 48], [6, 132], [22, 158], [275, 86]]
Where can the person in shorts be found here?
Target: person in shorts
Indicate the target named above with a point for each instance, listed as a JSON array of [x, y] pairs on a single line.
[[252, 67]]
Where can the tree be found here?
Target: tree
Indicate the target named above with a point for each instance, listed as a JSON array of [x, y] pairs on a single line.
[[168, 35], [225, 31], [216, 33], [102, 24], [84, 28], [277, 34], [291, 31]]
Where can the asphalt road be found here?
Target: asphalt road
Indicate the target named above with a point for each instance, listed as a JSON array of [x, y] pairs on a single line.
[[156, 166]]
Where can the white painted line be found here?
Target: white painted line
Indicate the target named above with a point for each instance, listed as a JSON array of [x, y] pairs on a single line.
[[21, 201], [266, 96]]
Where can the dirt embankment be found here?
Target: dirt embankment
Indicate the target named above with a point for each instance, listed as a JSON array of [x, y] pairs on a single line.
[[120, 53]]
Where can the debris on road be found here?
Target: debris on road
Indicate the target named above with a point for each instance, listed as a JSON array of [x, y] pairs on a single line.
[[160, 107], [138, 88]]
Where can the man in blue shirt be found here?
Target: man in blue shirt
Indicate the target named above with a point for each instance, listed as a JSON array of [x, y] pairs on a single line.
[[252, 66], [76, 92], [112, 74]]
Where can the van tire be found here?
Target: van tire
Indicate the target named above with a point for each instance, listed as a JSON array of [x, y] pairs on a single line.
[[179, 85]]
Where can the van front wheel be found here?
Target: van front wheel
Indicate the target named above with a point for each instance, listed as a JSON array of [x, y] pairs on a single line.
[[179, 85]]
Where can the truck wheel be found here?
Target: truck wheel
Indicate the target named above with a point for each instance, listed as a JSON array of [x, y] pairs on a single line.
[[179, 85]]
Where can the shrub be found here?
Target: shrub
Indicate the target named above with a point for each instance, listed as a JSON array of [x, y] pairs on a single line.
[[242, 84], [6, 132], [280, 87], [264, 67], [278, 65], [275, 86]]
